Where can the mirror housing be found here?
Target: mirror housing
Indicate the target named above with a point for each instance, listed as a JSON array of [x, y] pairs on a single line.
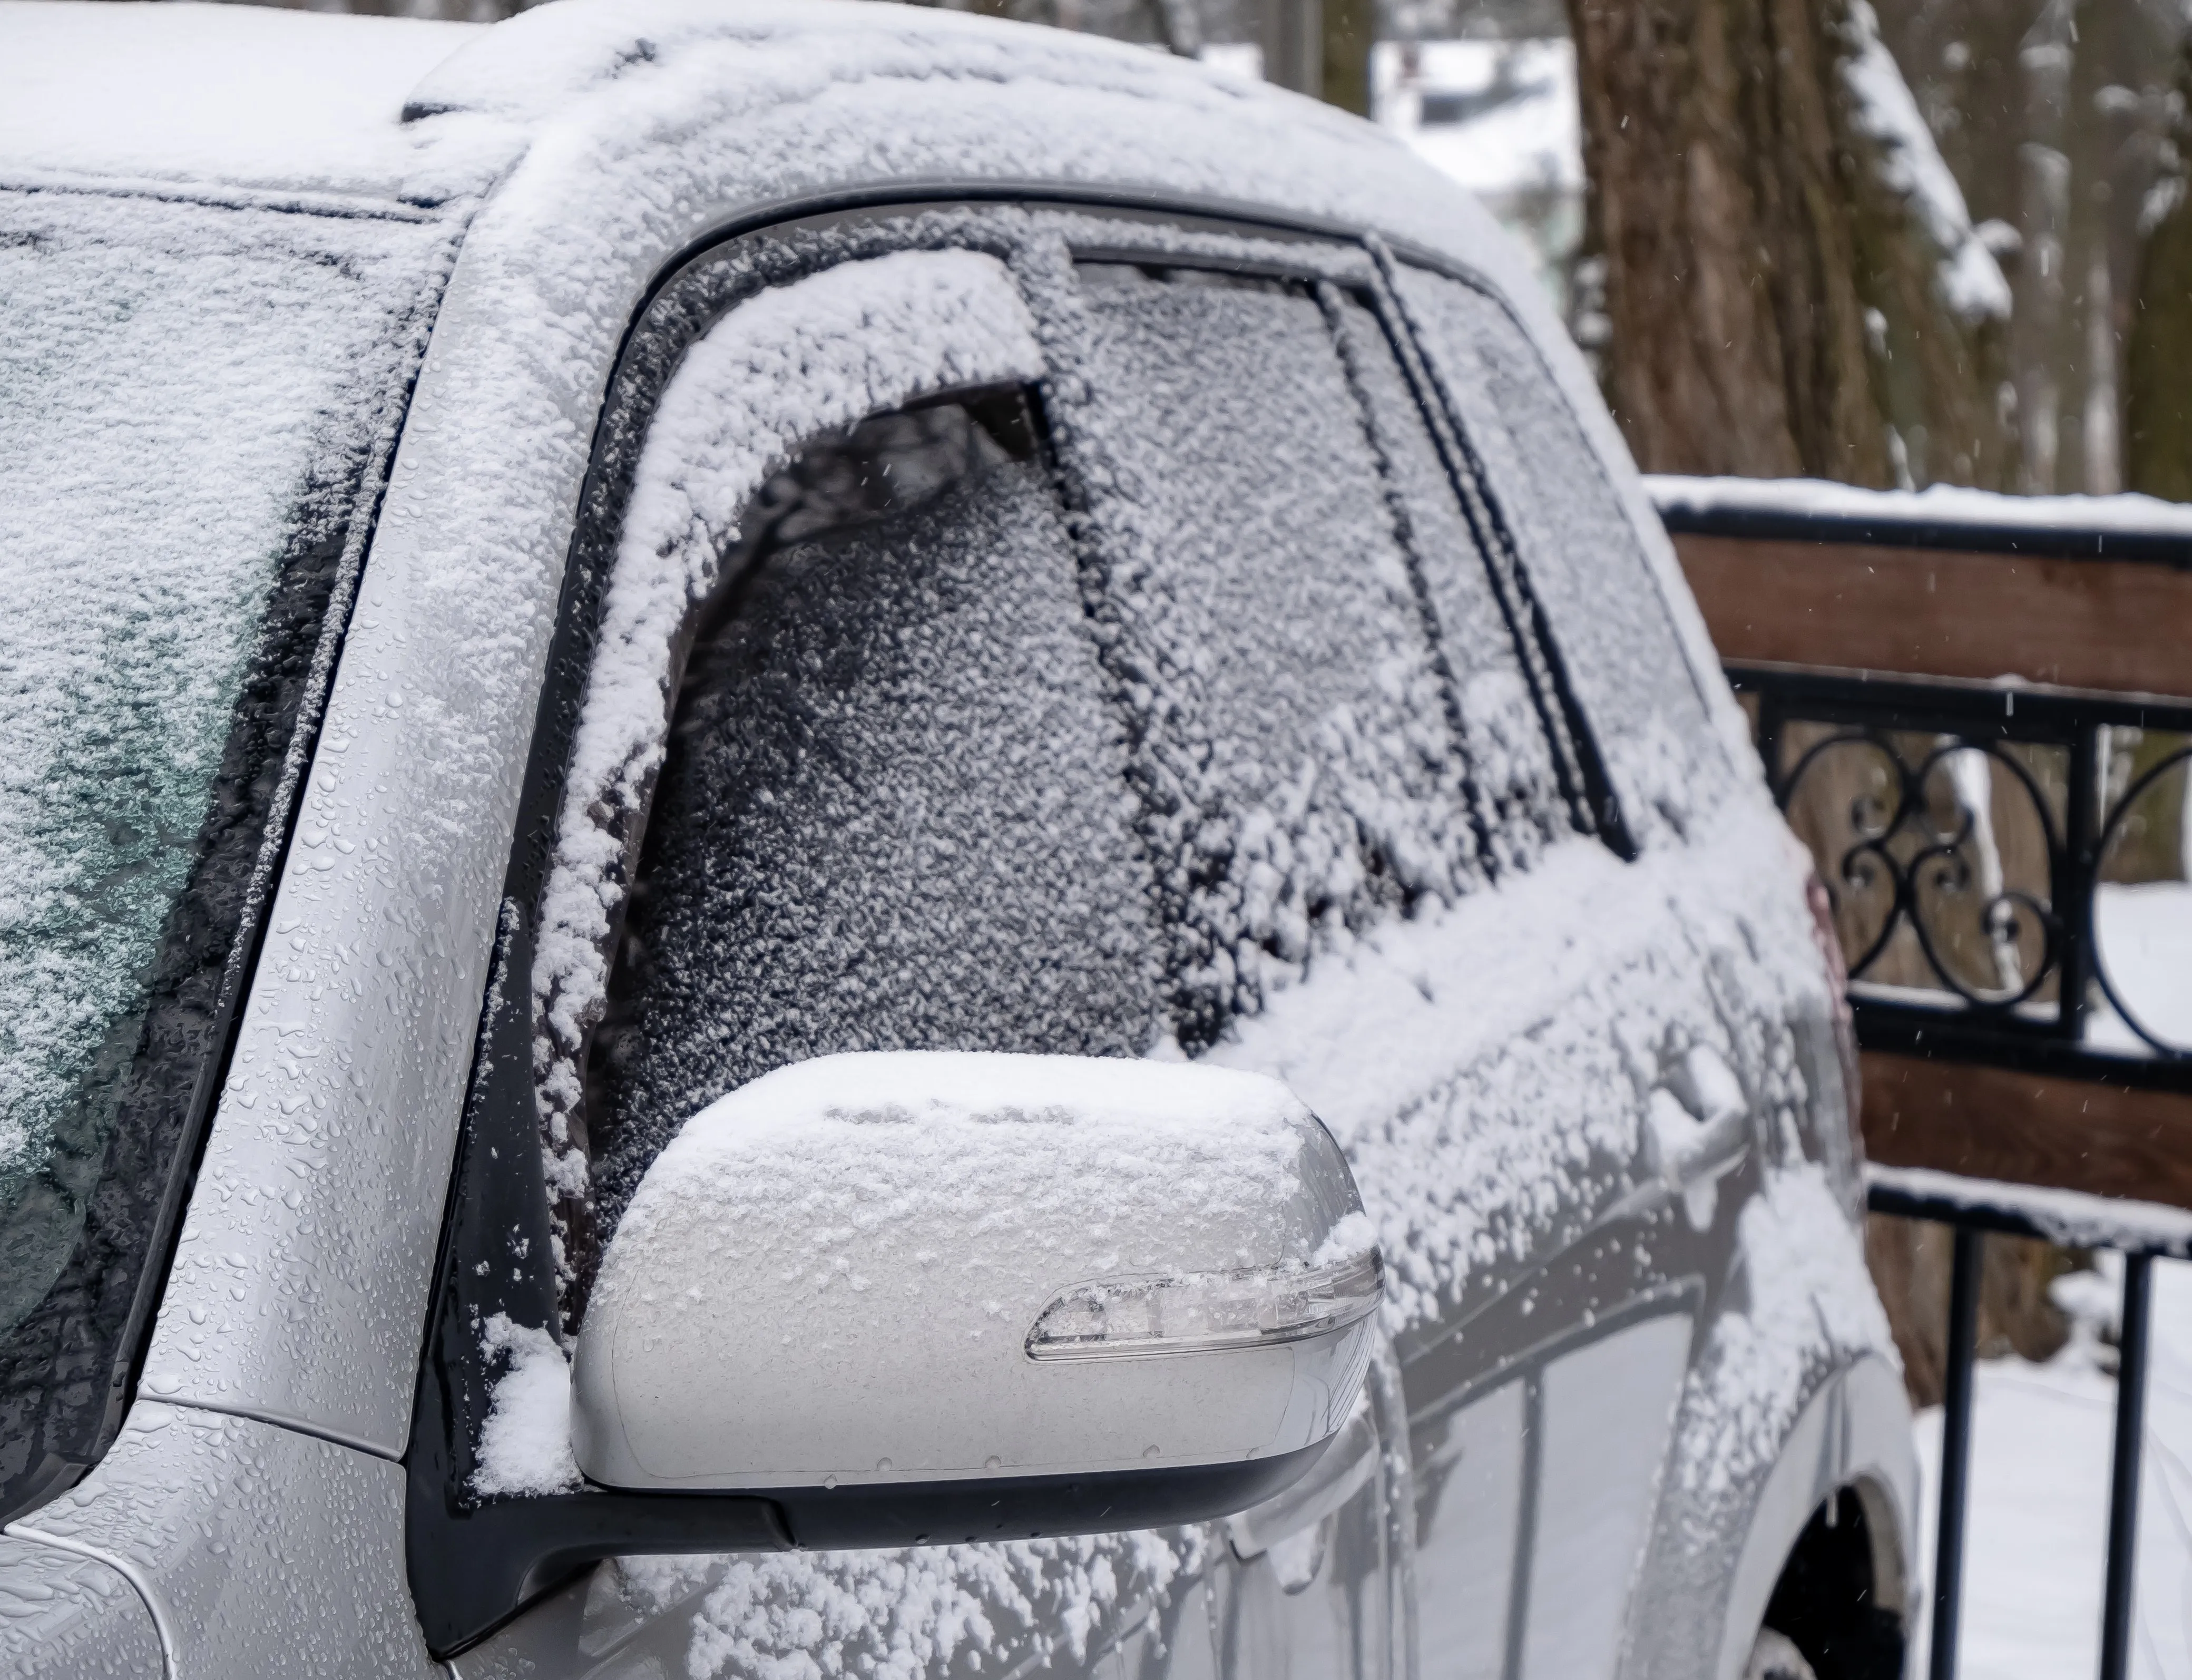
[[926, 1294]]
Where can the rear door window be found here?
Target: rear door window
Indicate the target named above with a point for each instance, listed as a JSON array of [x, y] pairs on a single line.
[[1609, 621], [1266, 545]]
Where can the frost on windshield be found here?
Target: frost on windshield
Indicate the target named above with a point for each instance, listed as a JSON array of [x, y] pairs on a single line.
[[1613, 627], [191, 394]]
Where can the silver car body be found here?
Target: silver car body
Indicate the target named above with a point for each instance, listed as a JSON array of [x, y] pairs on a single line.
[[249, 1519]]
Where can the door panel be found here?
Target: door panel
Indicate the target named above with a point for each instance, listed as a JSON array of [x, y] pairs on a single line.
[[1313, 825], [1469, 1505], [1602, 1413], [1305, 1586]]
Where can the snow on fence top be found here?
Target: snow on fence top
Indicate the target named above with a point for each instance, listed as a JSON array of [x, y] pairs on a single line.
[[2118, 527], [2071, 1217]]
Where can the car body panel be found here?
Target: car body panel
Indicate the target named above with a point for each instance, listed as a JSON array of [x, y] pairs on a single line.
[[258, 1550], [584, 149], [64, 1614]]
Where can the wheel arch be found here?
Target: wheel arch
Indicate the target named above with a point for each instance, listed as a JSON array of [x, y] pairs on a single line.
[[1853, 1436]]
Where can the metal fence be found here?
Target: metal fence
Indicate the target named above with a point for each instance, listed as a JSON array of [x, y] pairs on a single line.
[[1968, 832]]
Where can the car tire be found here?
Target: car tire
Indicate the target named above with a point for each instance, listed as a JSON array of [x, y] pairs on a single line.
[[1775, 1657]]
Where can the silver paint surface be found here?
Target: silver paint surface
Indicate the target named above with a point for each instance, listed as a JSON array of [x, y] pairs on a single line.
[[64, 1616], [260, 1551]]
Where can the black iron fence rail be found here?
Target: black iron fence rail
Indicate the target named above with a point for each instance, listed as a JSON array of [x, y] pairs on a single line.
[[1899, 849], [2037, 1013], [1972, 1219], [2101, 527]]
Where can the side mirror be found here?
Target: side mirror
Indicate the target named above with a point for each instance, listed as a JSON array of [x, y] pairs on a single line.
[[931, 1297]]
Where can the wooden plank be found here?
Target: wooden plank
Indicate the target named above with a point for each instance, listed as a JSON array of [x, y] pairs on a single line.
[[1993, 1122], [2115, 624]]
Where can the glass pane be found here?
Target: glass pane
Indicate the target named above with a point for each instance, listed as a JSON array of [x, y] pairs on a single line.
[[1583, 558], [893, 814], [1299, 760], [191, 395], [1510, 758]]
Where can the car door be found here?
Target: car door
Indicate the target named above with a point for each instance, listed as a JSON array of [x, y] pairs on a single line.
[[1544, 1396], [839, 755], [1391, 851], [1299, 778], [1155, 681]]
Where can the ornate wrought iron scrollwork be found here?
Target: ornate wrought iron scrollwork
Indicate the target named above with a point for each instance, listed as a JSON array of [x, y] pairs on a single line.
[[1916, 857]]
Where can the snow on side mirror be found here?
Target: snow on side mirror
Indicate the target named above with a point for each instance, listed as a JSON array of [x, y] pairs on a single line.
[[931, 1295]]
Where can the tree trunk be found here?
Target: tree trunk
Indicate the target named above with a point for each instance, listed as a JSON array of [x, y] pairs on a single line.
[[1910, 1264], [1791, 282], [2158, 397], [1793, 286], [1349, 26]]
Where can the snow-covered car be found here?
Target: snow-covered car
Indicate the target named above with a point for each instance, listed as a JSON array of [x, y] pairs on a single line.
[[840, 840]]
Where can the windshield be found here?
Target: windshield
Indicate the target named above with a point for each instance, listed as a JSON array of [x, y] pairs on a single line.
[[190, 396]]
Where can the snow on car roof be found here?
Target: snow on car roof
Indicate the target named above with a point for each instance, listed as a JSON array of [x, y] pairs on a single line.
[[211, 96], [238, 95], [582, 121]]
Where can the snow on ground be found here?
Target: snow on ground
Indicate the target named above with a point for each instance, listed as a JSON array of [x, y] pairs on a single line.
[[2036, 1533], [1499, 116], [2144, 932]]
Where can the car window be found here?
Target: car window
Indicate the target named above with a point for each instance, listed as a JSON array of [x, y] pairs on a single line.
[[1607, 618], [893, 811], [1265, 577], [194, 399], [1509, 759]]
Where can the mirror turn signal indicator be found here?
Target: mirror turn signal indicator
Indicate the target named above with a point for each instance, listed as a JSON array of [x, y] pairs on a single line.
[[1137, 1317]]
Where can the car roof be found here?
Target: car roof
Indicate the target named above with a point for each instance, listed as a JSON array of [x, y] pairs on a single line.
[[209, 97]]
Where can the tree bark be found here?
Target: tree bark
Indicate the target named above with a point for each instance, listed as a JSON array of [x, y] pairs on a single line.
[[1909, 1260], [1349, 26], [1775, 301], [2158, 396]]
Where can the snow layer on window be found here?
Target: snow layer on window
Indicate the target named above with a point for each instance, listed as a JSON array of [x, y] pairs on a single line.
[[894, 815], [790, 364], [1297, 764], [1510, 759], [190, 391], [1911, 166], [1622, 654]]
